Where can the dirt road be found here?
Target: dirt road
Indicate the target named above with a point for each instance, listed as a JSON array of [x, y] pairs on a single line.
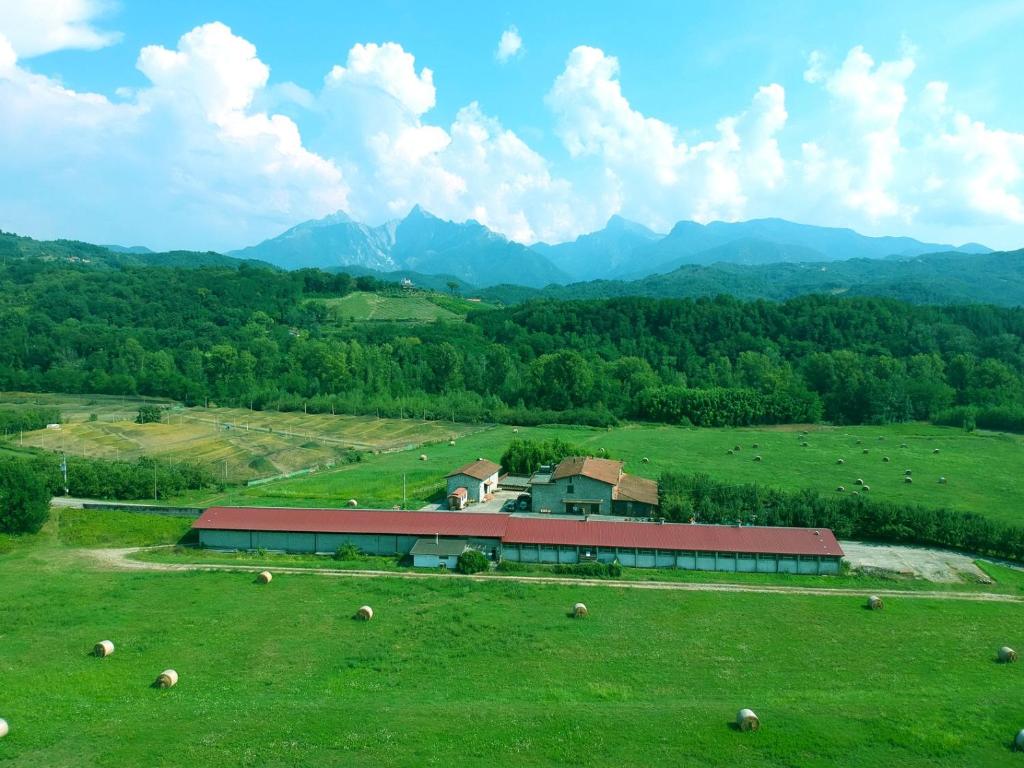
[[121, 559]]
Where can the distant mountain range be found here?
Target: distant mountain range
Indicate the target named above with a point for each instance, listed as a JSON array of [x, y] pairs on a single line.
[[420, 242], [623, 249]]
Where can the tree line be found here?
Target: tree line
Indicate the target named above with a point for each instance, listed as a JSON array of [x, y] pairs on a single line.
[[266, 339], [699, 498]]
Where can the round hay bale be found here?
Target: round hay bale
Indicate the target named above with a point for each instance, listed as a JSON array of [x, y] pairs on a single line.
[[903, 445], [859, 481], [866, 488], [935, 450], [515, 430], [881, 437], [579, 611], [805, 445], [736, 448], [103, 648], [4, 728], [885, 459], [729, 452], [942, 481], [840, 488], [423, 457], [1007, 655], [907, 472], [746, 720], [645, 460], [451, 442], [265, 577], [167, 679], [365, 613], [352, 503], [754, 446], [855, 493], [875, 603], [1018, 743], [840, 461], [866, 450], [908, 479], [859, 441], [757, 458]]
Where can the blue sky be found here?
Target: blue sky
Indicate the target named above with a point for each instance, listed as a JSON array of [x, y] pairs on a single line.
[[214, 125]]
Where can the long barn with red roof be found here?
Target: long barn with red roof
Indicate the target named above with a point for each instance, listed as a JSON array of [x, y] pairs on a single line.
[[526, 538]]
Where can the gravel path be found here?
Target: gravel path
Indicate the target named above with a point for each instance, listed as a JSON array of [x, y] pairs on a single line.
[[121, 559]]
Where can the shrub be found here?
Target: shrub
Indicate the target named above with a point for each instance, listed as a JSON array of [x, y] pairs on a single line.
[[149, 414], [348, 552], [472, 561], [590, 570]]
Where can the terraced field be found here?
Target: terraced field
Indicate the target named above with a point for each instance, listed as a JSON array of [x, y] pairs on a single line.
[[237, 444]]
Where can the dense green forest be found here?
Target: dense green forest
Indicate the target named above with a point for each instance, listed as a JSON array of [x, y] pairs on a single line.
[[936, 278], [250, 335]]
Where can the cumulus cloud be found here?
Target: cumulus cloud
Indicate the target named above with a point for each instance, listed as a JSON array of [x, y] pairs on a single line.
[[658, 175], [378, 105], [894, 157], [34, 27], [185, 159], [509, 45]]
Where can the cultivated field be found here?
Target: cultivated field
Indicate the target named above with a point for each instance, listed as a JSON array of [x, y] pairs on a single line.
[[361, 306], [984, 472], [490, 673], [237, 444]]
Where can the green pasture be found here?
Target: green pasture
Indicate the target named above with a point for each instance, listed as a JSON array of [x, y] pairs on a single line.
[[486, 673], [984, 472], [361, 306]]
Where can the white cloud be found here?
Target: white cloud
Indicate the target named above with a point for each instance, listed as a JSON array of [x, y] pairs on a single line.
[[34, 27], [185, 162], [651, 168], [474, 168], [510, 44]]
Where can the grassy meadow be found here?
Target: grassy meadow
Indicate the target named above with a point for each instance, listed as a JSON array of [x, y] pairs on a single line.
[[984, 472], [486, 673], [361, 306]]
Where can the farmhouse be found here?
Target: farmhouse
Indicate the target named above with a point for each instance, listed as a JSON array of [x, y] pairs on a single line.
[[582, 485], [479, 479], [523, 538]]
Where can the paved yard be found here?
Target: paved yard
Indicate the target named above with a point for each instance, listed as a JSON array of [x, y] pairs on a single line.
[[932, 564]]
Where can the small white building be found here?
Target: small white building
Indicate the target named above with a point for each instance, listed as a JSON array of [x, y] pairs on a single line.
[[437, 552], [479, 478]]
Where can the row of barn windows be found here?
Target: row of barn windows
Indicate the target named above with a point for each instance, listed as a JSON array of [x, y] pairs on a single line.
[[672, 552]]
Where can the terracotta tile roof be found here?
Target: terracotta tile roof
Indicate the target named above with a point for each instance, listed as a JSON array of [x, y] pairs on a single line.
[[460, 492], [481, 525], [528, 530], [633, 488], [675, 536], [603, 470], [480, 469]]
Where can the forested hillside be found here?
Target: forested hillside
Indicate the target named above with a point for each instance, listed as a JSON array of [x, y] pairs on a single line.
[[937, 278], [253, 336]]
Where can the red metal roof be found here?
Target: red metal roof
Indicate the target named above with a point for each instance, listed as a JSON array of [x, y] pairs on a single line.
[[528, 530], [352, 521], [707, 538]]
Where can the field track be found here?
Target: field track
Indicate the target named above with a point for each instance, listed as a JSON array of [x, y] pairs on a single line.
[[121, 559]]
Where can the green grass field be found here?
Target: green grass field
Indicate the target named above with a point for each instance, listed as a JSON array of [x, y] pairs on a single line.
[[362, 306], [486, 673], [983, 471]]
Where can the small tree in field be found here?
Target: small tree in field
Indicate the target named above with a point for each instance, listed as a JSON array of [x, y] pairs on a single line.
[[149, 414], [472, 561], [24, 497]]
